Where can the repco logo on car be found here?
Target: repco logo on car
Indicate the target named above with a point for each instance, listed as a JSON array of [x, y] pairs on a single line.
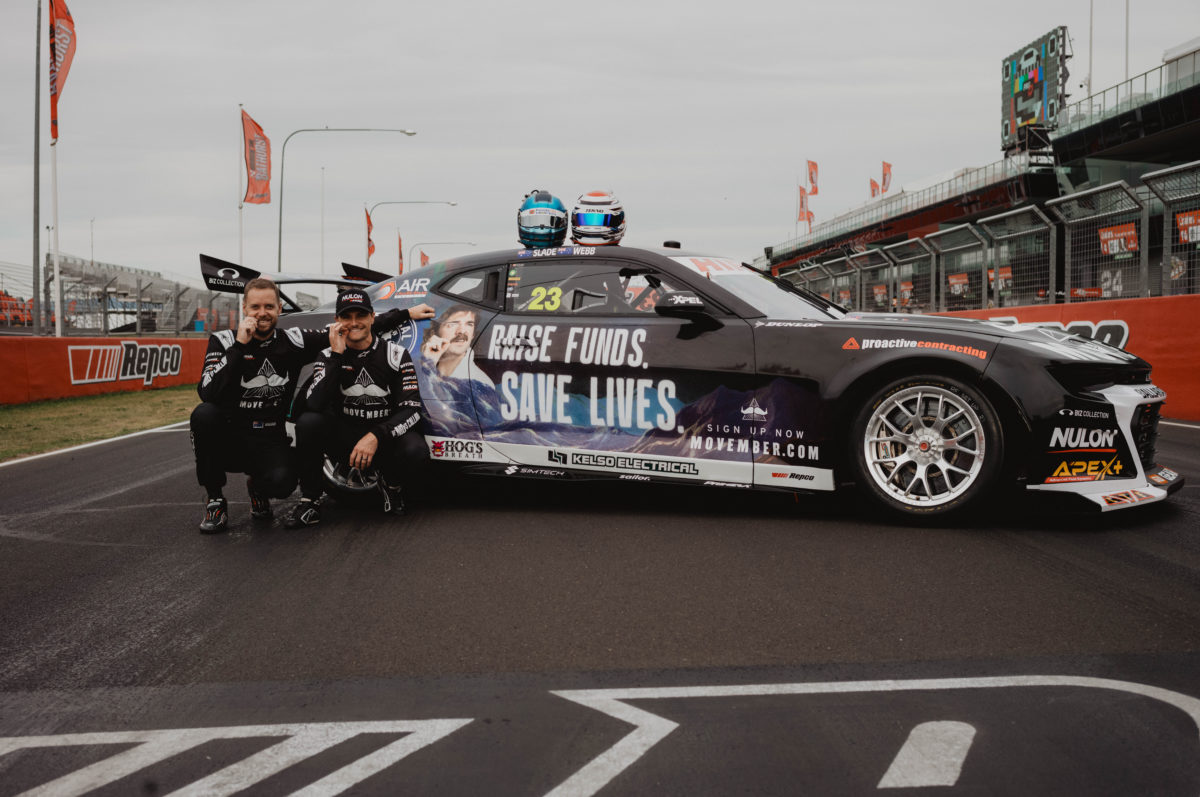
[[456, 449]]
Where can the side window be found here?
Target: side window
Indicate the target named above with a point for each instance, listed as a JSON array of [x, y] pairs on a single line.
[[585, 288], [479, 287]]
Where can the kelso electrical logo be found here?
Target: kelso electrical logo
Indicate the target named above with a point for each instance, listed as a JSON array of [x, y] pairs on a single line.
[[127, 360]]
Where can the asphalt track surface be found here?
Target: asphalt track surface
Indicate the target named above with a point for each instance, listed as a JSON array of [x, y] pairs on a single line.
[[526, 638]]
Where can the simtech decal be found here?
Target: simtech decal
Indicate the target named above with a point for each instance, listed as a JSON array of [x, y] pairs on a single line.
[[127, 360], [623, 462], [902, 343], [455, 449]]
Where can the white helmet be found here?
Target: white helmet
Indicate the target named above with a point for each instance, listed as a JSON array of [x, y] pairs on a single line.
[[598, 219]]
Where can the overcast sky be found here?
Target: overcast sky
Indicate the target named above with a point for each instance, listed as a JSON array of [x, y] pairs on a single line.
[[699, 115]]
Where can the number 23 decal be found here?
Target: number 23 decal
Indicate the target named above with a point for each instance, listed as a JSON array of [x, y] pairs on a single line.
[[547, 299]]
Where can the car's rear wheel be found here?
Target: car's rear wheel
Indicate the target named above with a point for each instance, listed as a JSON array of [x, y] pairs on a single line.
[[927, 445]]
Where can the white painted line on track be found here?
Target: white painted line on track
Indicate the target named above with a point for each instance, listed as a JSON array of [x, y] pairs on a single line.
[[650, 728], [303, 741], [1181, 425], [933, 755], [172, 427]]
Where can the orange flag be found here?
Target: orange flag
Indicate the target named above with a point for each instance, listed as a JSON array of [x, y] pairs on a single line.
[[887, 176], [400, 248], [805, 214], [424, 259], [812, 178], [258, 162], [62, 52], [370, 243], [874, 187]]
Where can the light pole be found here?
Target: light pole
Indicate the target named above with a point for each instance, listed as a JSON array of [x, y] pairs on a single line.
[[371, 211], [283, 163], [92, 225], [413, 248]]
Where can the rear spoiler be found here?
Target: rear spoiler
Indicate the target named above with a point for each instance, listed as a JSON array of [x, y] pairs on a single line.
[[225, 277]]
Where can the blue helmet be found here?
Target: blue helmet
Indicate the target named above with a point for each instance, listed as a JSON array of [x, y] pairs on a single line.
[[541, 220]]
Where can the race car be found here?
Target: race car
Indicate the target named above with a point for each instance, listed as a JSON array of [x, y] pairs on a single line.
[[663, 365]]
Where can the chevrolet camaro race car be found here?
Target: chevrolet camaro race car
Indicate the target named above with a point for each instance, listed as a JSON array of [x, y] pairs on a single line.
[[659, 365]]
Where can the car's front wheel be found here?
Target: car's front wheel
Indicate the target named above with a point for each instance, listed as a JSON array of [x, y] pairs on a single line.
[[927, 445]]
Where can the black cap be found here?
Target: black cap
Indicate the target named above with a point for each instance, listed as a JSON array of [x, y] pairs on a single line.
[[353, 298]]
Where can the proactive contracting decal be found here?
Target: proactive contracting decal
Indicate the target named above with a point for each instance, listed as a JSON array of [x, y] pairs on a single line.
[[902, 343]]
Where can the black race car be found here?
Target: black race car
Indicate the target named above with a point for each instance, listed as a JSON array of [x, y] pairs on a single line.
[[659, 365]]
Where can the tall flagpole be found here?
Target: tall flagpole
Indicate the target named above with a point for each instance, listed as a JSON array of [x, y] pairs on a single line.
[[241, 192], [58, 291], [37, 156]]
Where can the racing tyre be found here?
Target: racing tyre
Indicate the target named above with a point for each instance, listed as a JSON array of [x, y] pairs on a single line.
[[927, 446]]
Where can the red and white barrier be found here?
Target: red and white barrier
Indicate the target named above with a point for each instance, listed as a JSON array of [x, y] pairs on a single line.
[[46, 368], [1164, 331]]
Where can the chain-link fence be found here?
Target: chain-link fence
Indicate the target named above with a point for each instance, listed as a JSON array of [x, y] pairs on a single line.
[[962, 266], [1024, 257], [1106, 247], [104, 298], [1179, 190], [915, 281], [877, 278]]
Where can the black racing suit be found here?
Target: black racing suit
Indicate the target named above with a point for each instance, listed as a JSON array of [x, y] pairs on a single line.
[[355, 392], [245, 392]]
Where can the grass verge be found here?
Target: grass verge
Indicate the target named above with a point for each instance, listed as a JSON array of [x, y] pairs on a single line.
[[27, 429]]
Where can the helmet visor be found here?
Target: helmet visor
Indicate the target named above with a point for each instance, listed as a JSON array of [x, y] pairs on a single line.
[[594, 219], [543, 217]]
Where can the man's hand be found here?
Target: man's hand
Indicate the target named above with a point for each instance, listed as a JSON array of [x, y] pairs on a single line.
[[420, 312], [364, 451], [337, 337], [434, 348], [246, 329]]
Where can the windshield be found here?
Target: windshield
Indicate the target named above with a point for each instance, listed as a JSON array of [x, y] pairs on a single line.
[[775, 297]]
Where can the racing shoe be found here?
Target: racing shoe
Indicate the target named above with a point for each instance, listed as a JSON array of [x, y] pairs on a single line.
[[216, 516], [260, 505], [306, 513], [393, 501]]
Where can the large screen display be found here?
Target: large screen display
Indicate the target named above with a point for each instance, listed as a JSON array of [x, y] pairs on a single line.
[[1034, 82]]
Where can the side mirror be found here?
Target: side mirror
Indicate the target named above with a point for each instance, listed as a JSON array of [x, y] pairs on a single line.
[[681, 304]]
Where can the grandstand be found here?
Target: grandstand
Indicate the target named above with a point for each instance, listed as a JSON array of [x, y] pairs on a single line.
[[1099, 199]]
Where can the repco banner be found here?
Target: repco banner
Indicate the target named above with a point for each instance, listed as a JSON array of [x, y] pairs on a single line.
[[1161, 330], [46, 368]]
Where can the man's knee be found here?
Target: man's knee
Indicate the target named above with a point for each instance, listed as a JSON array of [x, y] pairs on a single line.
[[207, 416], [277, 481], [310, 427]]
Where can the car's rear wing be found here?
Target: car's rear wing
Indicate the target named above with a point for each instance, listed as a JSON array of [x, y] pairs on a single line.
[[225, 277]]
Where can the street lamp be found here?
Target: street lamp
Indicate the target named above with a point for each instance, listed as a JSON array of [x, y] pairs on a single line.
[[413, 248], [371, 212], [283, 163]]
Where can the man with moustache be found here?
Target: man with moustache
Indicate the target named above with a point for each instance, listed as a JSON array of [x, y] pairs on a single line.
[[447, 347], [245, 390], [363, 409]]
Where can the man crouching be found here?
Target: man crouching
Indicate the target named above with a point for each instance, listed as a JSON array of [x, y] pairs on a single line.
[[363, 409]]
